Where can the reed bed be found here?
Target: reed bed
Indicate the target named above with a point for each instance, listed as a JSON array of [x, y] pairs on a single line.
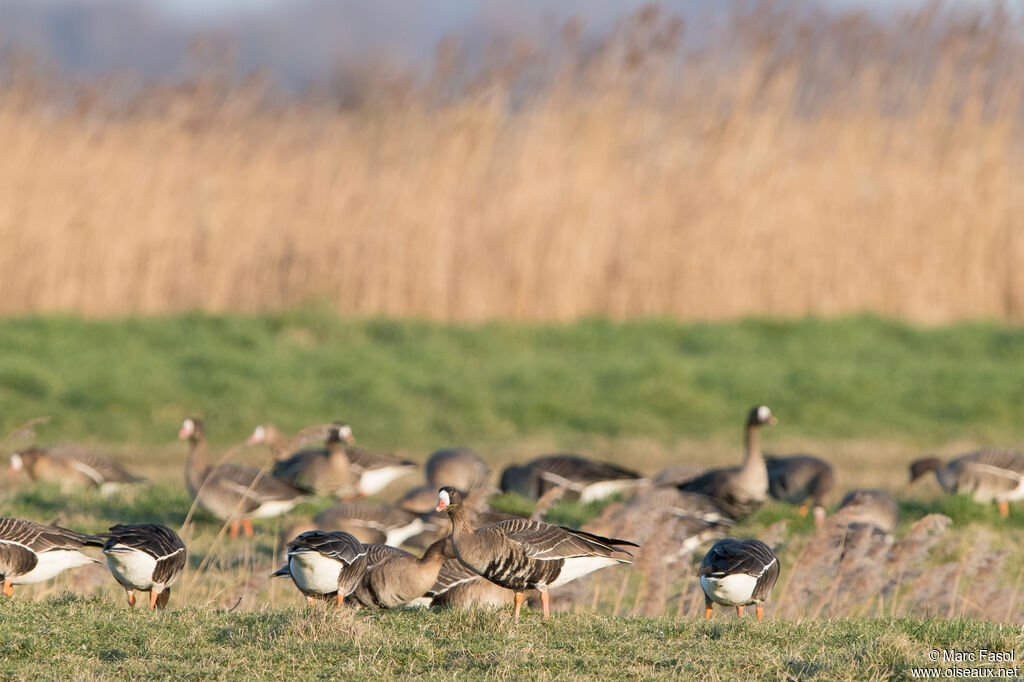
[[764, 161]]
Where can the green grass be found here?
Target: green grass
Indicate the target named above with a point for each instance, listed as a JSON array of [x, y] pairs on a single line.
[[418, 385], [71, 637]]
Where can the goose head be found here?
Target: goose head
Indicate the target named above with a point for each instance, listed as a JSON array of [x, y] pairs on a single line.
[[761, 415], [920, 467], [258, 435], [17, 464], [340, 432], [191, 428], [448, 498]]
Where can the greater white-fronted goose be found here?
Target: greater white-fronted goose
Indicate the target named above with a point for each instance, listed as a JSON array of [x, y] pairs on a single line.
[[371, 522], [72, 467], [320, 471], [395, 577], [986, 475], [31, 552], [373, 471], [739, 491], [284, 446], [738, 573], [146, 557], [521, 554], [324, 565], [588, 479], [422, 499], [461, 468], [871, 507], [795, 478], [233, 492], [459, 587]]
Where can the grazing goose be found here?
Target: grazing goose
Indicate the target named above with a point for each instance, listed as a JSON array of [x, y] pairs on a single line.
[[421, 500], [738, 573], [373, 471], [72, 467], [31, 552], [324, 565], [739, 491], [231, 491], [987, 474], [870, 507], [459, 587], [395, 577], [521, 554], [320, 471], [284, 446], [589, 479], [795, 478], [371, 522], [147, 557], [461, 468]]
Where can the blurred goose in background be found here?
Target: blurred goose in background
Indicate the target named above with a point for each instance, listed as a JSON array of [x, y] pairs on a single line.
[[324, 565], [284, 446], [986, 475], [738, 491], [146, 557], [521, 554], [71, 467], [372, 522], [320, 471], [738, 573], [395, 577], [233, 492], [422, 499], [461, 468], [869, 507], [373, 471], [795, 478], [586, 478], [31, 552]]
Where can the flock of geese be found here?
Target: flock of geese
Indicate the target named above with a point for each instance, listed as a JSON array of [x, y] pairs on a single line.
[[473, 555]]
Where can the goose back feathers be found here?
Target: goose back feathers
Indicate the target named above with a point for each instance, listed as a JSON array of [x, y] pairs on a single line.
[[147, 557], [986, 475], [71, 466], [738, 573], [325, 564], [587, 478], [32, 552]]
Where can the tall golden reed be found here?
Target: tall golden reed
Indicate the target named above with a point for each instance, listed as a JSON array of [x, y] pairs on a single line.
[[789, 165]]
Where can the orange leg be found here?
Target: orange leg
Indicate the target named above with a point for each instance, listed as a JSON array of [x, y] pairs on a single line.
[[1004, 509], [8, 588], [546, 603], [341, 598], [739, 611], [153, 594], [519, 603], [233, 529], [309, 599], [247, 527], [760, 612], [707, 611], [803, 510], [131, 598]]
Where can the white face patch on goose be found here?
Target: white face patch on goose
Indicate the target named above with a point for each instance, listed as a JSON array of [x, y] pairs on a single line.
[[443, 500], [258, 434], [188, 427], [763, 413], [16, 463], [345, 432]]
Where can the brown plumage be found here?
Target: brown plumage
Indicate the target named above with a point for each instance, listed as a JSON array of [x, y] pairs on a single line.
[[395, 577], [147, 557], [231, 491], [521, 554], [738, 573], [321, 471], [871, 507], [795, 478], [586, 478], [986, 475], [461, 468], [31, 552], [459, 587], [739, 491], [71, 466]]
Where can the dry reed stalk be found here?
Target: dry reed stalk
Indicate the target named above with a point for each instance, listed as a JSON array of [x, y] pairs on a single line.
[[622, 591]]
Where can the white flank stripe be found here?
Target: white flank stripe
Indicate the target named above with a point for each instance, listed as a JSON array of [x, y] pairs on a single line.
[[375, 480], [574, 567], [731, 590], [51, 563]]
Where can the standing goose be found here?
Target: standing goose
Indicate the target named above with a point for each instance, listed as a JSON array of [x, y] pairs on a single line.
[[870, 507], [738, 573], [739, 491], [394, 577], [521, 554], [461, 468], [71, 467], [795, 478], [986, 475], [232, 491], [321, 471], [31, 552], [371, 522], [323, 565], [147, 557], [589, 479]]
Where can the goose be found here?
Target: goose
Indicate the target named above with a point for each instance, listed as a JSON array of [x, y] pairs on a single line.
[[421, 499], [521, 554], [147, 557], [738, 573], [395, 577], [589, 479], [459, 467], [870, 507], [324, 564], [231, 491], [283, 446], [739, 491], [987, 474], [373, 471], [31, 552], [72, 467], [371, 522], [320, 471], [459, 587], [795, 478]]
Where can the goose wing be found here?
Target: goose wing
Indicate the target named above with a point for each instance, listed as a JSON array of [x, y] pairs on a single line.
[[159, 542], [378, 516], [99, 469], [562, 469], [362, 460], [239, 479], [339, 546], [544, 541], [734, 557], [377, 554]]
